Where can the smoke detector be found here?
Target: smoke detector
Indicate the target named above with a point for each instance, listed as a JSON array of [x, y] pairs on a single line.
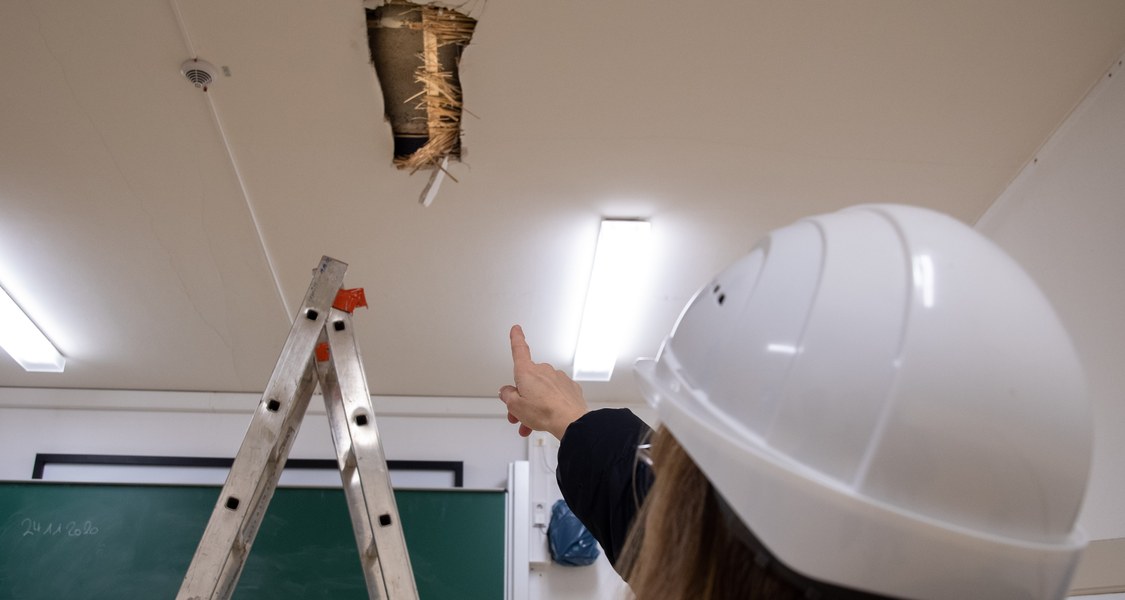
[[199, 72]]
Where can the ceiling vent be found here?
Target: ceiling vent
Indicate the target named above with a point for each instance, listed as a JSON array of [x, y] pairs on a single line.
[[199, 72]]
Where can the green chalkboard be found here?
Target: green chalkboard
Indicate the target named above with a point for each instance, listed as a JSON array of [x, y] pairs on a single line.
[[94, 541]]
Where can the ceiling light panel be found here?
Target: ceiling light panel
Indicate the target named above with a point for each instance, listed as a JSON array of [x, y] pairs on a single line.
[[23, 340]]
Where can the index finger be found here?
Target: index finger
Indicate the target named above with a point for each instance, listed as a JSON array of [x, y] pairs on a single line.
[[521, 352]]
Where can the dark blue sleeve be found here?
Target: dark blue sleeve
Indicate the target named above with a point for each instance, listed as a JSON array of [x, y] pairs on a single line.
[[600, 477]]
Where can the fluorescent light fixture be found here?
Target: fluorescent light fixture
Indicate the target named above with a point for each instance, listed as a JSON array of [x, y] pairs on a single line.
[[622, 246], [23, 340]]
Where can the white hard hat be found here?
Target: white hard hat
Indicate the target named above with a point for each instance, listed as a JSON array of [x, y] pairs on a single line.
[[889, 403]]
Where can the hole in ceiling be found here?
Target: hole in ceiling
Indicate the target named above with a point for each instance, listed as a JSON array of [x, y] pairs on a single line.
[[416, 50]]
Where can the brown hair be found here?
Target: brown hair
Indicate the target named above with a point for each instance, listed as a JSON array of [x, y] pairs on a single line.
[[680, 547]]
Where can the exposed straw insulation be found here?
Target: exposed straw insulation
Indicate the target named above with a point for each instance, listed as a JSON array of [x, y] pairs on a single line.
[[417, 50]]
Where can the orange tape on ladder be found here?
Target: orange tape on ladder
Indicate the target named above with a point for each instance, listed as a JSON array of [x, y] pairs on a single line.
[[349, 300]]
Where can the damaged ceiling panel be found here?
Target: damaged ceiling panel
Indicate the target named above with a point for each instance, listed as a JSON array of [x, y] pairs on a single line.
[[416, 50]]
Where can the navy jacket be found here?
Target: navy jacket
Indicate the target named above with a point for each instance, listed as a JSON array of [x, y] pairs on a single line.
[[600, 477]]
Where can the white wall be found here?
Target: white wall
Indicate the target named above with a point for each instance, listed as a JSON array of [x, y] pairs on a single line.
[[472, 430], [1063, 219]]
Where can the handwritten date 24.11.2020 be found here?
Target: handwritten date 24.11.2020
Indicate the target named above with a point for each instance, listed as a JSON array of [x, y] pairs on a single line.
[[69, 529]]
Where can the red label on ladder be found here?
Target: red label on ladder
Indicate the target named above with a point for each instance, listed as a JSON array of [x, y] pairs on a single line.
[[349, 300]]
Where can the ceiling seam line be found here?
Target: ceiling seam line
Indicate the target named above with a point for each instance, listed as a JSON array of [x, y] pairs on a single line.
[[250, 207], [183, 28], [234, 165]]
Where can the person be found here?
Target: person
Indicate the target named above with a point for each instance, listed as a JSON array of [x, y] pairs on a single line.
[[598, 473], [873, 403]]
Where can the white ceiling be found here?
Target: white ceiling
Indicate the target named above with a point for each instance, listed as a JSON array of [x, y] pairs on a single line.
[[162, 236]]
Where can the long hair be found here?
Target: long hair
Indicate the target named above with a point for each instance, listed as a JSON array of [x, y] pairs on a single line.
[[680, 547]]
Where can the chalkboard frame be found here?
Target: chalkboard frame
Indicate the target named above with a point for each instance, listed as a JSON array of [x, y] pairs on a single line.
[[456, 468]]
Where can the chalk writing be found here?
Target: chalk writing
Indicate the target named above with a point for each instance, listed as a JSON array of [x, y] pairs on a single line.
[[57, 528]]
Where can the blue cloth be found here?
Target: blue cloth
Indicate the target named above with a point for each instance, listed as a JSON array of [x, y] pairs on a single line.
[[570, 542]]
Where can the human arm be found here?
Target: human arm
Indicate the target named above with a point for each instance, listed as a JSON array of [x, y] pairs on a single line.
[[543, 398], [600, 477], [597, 472]]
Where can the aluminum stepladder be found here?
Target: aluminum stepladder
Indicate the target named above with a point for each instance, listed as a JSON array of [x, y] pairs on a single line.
[[321, 348]]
